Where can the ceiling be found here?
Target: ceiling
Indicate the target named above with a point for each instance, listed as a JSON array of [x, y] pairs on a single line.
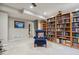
[[51, 9]]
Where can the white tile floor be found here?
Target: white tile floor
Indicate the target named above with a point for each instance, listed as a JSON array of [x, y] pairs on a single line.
[[25, 47]]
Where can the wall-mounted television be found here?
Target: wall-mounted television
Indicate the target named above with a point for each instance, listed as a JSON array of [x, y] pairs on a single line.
[[19, 24]]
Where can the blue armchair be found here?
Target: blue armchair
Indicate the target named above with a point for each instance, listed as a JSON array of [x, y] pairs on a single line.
[[40, 40]]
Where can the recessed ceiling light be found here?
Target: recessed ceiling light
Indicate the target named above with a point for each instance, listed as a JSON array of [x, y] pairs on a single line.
[[45, 13], [31, 6]]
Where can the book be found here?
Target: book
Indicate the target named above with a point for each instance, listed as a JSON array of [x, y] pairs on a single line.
[[63, 41], [73, 29], [75, 19], [75, 40], [67, 34], [78, 19], [78, 40], [75, 45]]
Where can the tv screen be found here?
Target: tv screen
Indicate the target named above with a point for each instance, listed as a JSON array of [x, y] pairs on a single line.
[[19, 24]]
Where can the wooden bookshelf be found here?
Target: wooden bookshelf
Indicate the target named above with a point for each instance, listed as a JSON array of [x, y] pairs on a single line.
[[44, 25], [64, 29], [60, 29], [51, 30], [75, 29]]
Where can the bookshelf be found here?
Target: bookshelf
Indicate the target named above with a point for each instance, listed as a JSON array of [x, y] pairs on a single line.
[[35, 24], [64, 31], [44, 25], [60, 29], [51, 29], [75, 29]]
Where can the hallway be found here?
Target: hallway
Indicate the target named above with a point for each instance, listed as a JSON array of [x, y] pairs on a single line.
[[25, 47]]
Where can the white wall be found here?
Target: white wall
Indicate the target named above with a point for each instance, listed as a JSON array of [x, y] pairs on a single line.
[[9, 33], [15, 33], [4, 27]]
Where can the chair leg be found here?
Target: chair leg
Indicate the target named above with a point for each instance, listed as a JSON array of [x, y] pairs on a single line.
[[46, 46], [35, 45]]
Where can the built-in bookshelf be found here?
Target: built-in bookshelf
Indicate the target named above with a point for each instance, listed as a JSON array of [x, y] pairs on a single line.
[[51, 29], [63, 29], [75, 29], [60, 29], [44, 25]]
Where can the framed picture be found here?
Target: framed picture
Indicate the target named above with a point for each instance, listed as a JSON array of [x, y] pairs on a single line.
[[19, 24]]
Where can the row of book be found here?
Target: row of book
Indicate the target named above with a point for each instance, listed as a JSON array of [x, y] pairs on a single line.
[[60, 21], [51, 20], [75, 19], [76, 40], [64, 20], [59, 18], [66, 16], [63, 33], [76, 13], [50, 35], [75, 35], [51, 32], [63, 41], [64, 25], [75, 29], [67, 33], [51, 29], [51, 26], [75, 24], [60, 33], [59, 29], [60, 26]]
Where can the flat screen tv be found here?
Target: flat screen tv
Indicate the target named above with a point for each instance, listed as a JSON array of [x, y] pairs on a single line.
[[19, 24]]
